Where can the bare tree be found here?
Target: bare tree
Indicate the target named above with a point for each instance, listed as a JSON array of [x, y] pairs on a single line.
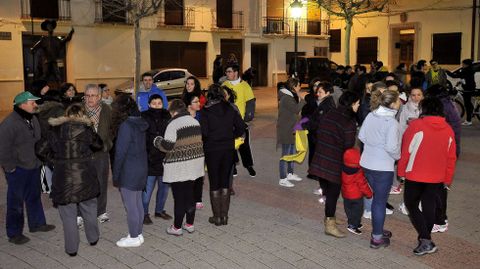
[[348, 9], [133, 11]]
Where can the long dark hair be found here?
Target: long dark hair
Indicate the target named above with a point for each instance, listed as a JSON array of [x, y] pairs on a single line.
[[197, 90], [122, 107], [347, 99]]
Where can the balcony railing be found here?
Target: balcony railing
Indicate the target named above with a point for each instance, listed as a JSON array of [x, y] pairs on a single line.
[[286, 26], [232, 21], [64, 13], [184, 18], [108, 12]]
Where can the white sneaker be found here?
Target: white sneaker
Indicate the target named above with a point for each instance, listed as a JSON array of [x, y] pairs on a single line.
[[403, 209], [188, 228], [199, 205], [367, 214], [396, 189], [466, 123], [322, 200], [439, 228], [174, 231], [103, 218], [80, 222], [129, 242], [318, 191], [140, 236], [294, 177], [388, 211], [285, 183]]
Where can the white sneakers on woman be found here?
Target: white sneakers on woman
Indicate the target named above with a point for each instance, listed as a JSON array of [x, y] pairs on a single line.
[[128, 242]]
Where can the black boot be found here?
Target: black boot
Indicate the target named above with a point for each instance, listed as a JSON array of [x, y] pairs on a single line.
[[215, 200], [225, 198]]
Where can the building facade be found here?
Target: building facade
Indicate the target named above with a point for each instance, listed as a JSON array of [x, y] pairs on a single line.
[[184, 33], [410, 30]]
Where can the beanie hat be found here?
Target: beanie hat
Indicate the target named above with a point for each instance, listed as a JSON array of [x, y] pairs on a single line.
[[351, 158]]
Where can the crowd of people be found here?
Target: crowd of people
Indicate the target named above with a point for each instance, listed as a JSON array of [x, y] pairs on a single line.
[[364, 131], [69, 142], [378, 129]]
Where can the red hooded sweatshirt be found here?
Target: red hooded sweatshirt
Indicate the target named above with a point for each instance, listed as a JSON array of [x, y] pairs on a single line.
[[354, 184], [428, 151]]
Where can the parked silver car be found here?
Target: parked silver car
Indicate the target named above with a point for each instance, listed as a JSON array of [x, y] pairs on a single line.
[[170, 80]]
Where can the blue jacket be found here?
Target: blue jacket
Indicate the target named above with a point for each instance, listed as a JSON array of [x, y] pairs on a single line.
[[130, 168], [143, 96]]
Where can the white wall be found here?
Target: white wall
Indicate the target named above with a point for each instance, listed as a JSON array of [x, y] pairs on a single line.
[[456, 17]]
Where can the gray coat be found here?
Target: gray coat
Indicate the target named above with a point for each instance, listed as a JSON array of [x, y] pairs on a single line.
[[17, 142], [288, 115]]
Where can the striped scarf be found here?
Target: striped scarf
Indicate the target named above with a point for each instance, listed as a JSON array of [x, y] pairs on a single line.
[[94, 115]]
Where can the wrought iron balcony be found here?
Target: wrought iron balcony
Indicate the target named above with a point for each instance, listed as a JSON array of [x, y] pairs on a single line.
[[232, 21], [177, 18], [109, 12], [285, 26]]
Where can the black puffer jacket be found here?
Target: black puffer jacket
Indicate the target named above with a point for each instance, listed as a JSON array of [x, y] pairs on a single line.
[[70, 146], [157, 121]]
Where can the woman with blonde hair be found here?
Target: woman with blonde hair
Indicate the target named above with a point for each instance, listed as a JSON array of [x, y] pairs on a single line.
[[381, 138]]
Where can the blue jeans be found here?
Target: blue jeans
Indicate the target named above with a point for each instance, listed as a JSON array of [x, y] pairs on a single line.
[[287, 149], [380, 182], [162, 193], [23, 187], [367, 204]]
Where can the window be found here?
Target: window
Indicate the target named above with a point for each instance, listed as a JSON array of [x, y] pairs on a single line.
[[162, 77], [224, 14], [177, 75], [367, 49], [172, 54], [174, 12], [447, 48], [111, 11], [335, 40]]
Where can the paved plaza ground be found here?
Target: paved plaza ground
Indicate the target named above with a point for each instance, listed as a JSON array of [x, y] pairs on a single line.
[[269, 226]]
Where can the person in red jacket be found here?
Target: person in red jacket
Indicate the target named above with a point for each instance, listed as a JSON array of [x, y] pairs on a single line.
[[427, 163], [354, 188]]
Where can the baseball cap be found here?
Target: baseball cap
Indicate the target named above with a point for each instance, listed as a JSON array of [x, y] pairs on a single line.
[[24, 97]]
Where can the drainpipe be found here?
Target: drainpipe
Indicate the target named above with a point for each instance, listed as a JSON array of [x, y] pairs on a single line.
[[473, 35]]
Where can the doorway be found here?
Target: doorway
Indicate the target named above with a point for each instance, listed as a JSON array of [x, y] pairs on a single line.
[[403, 46], [232, 46], [260, 64]]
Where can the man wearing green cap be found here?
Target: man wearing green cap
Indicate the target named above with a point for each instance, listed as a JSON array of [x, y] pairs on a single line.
[[18, 134]]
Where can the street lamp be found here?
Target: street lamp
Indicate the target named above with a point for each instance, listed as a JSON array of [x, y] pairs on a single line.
[[296, 13]]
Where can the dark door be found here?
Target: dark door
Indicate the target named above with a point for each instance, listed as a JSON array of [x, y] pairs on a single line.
[[174, 12], [229, 46], [44, 9], [260, 64], [224, 13]]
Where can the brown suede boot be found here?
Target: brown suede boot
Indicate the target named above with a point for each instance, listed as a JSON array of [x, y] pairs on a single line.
[[331, 228], [225, 198], [215, 200]]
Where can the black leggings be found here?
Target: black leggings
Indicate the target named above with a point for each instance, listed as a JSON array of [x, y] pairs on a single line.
[[332, 192], [198, 189], [441, 206], [219, 166], [183, 202], [427, 193]]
